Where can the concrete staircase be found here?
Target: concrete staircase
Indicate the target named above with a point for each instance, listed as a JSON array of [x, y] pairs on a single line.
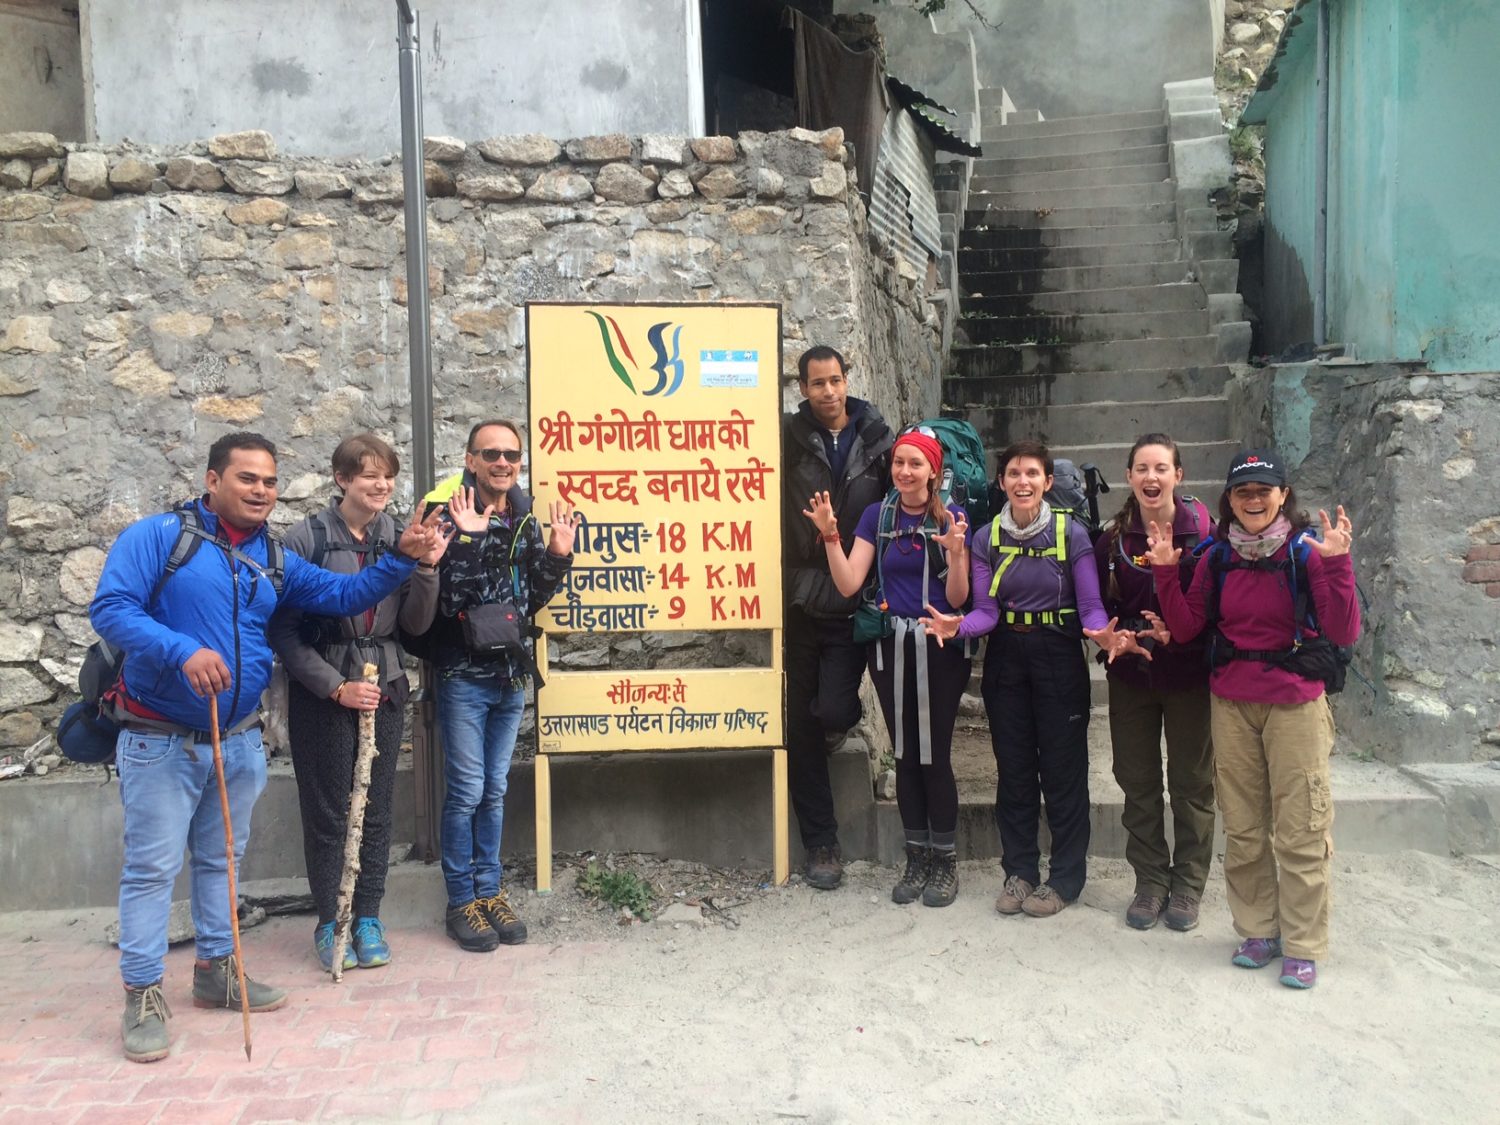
[[1085, 321]]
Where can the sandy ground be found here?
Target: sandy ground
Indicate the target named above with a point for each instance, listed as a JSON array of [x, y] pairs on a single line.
[[835, 1007], [787, 1004]]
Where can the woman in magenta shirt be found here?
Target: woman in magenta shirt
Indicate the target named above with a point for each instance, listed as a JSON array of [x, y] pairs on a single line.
[[923, 558], [1272, 728]]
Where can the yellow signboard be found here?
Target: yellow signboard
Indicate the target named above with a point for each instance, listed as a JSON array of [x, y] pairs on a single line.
[[660, 424], [594, 712]]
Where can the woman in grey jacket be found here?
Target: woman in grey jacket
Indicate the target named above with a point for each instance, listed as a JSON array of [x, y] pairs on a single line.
[[324, 659]]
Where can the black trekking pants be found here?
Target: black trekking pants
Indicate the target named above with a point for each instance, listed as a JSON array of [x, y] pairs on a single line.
[[823, 670], [1036, 692], [325, 742]]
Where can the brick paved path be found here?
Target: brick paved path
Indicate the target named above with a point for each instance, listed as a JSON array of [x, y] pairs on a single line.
[[436, 1032]]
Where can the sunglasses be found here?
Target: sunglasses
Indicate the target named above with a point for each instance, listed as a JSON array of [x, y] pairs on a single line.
[[925, 431], [492, 455]]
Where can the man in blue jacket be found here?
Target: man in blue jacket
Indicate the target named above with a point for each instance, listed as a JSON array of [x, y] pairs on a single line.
[[202, 631]]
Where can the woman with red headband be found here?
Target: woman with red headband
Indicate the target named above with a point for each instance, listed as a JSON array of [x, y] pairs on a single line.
[[922, 562]]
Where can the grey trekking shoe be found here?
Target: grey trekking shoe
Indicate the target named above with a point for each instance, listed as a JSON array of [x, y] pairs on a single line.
[[218, 986], [144, 1025], [942, 879]]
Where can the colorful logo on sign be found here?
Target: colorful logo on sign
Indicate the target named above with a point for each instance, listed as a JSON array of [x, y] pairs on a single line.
[[667, 367]]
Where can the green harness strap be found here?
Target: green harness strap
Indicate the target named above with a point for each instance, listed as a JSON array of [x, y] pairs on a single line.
[[1058, 551]]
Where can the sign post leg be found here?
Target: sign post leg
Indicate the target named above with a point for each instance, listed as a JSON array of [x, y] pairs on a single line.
[[543, 824], [780, 864]]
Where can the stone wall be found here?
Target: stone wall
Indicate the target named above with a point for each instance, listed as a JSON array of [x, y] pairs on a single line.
[[152, 300], [1404, 451]]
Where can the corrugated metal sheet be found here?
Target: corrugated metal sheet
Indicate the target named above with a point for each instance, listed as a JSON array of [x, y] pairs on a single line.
[[903, 202]]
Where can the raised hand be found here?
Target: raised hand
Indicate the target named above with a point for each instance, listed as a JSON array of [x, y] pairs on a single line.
[[465, 518], [1160, 551], [1158, 631], [420, 539], [564, 527], [820, 511], [443, 536], [1337, 537], [953, 539], [943, 626], [1110, 639]]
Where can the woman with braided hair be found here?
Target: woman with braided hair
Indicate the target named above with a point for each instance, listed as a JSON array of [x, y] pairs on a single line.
[[1158, 685]]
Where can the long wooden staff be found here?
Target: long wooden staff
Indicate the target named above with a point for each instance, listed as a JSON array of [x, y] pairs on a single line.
[[354, 832], [234, 897]]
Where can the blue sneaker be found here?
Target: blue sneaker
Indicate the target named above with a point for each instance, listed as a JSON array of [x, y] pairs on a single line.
[[323, 943], [369, 943]]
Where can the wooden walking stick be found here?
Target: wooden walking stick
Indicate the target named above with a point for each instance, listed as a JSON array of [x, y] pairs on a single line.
[[354, 832], [234, 896]]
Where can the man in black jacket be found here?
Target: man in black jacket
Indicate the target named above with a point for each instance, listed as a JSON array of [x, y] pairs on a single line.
[[839, 445]]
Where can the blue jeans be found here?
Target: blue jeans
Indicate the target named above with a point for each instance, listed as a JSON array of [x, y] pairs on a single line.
[[171, 800], [478, 717]]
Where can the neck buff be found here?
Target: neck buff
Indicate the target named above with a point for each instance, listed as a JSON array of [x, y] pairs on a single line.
[[1261, 546], [1009, 526]]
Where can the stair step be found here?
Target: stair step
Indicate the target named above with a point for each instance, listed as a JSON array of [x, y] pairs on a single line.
[[1072, 144], [1111, 355], [1044, 217], [1135, 298], [1079, 281], [1085, 327], [1044, 262], [1087, 424], [1058, 199], [1072, 388], [1016, 164], [1134, 234], [1206, 460], [1107, 176], [992, 129]]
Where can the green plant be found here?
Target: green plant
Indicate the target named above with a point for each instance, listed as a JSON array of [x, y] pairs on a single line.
[[1244, 143], [617, 888]]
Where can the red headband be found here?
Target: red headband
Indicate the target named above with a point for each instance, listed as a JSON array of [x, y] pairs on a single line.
[[929, 448]]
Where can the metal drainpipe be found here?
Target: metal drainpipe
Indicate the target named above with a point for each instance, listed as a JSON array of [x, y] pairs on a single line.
[[1320, 189], [425, 761]]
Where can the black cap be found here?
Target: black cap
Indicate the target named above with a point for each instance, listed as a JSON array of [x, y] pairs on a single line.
[[1260, 466]]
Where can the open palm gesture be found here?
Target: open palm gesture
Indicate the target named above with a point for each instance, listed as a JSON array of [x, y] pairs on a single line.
[[1337, 536], [1160, 550]]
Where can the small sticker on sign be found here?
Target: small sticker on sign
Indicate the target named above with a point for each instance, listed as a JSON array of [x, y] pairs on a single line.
[[728, 368]]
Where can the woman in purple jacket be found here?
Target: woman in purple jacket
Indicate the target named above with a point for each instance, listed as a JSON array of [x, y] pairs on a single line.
[[1035, 585], [1272, 728], [1158, 685]]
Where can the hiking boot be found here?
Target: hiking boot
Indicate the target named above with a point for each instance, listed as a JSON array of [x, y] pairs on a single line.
[[508, 927], [323, 943], [1182, 912], [914, 879], [825, 869], [218, 986], [1044, 902], [1015, 893], [1144, 910], [942, 879], [470, 926], [144, 1024], [1297, 973], [370, 947], [1256, 952]]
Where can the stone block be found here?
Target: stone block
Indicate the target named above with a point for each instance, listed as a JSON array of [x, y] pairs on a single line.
[[67, 291], [1196, 123], [1202, 163], [225, 408], [19, 730], [29, 334], [19, 643], [598, 150], [1234, 342], [87, 174], [183, 325], [32, 146], [445, 150], [526, 149], [321, 185], [767, 183], [559, 185], [132, 174], [720, 183], [79, 574], [18, 687], [258, 179], [304, 250], [26, 205], [1188, 87], [621, 183], [675, 184], [15, 174], [492, 188], [139, 374], [251, 144], [1224, 308], [830, 183], [437, 180], [661, 148], [46, 172], [714, 150], [194, 173], [257, 212], [381, 187]]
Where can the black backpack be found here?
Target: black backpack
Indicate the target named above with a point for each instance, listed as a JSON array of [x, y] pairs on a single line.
[[1075, 490], [87, 730]]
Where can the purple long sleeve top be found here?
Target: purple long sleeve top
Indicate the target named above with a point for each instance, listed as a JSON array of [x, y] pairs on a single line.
[[1033, 585]]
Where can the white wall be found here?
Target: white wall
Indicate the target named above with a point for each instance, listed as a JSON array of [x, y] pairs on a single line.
[[42, 87]]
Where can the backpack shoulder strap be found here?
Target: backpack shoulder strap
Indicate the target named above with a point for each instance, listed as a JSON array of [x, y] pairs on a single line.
[[190, 536], [275, 562], [319, 531]]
